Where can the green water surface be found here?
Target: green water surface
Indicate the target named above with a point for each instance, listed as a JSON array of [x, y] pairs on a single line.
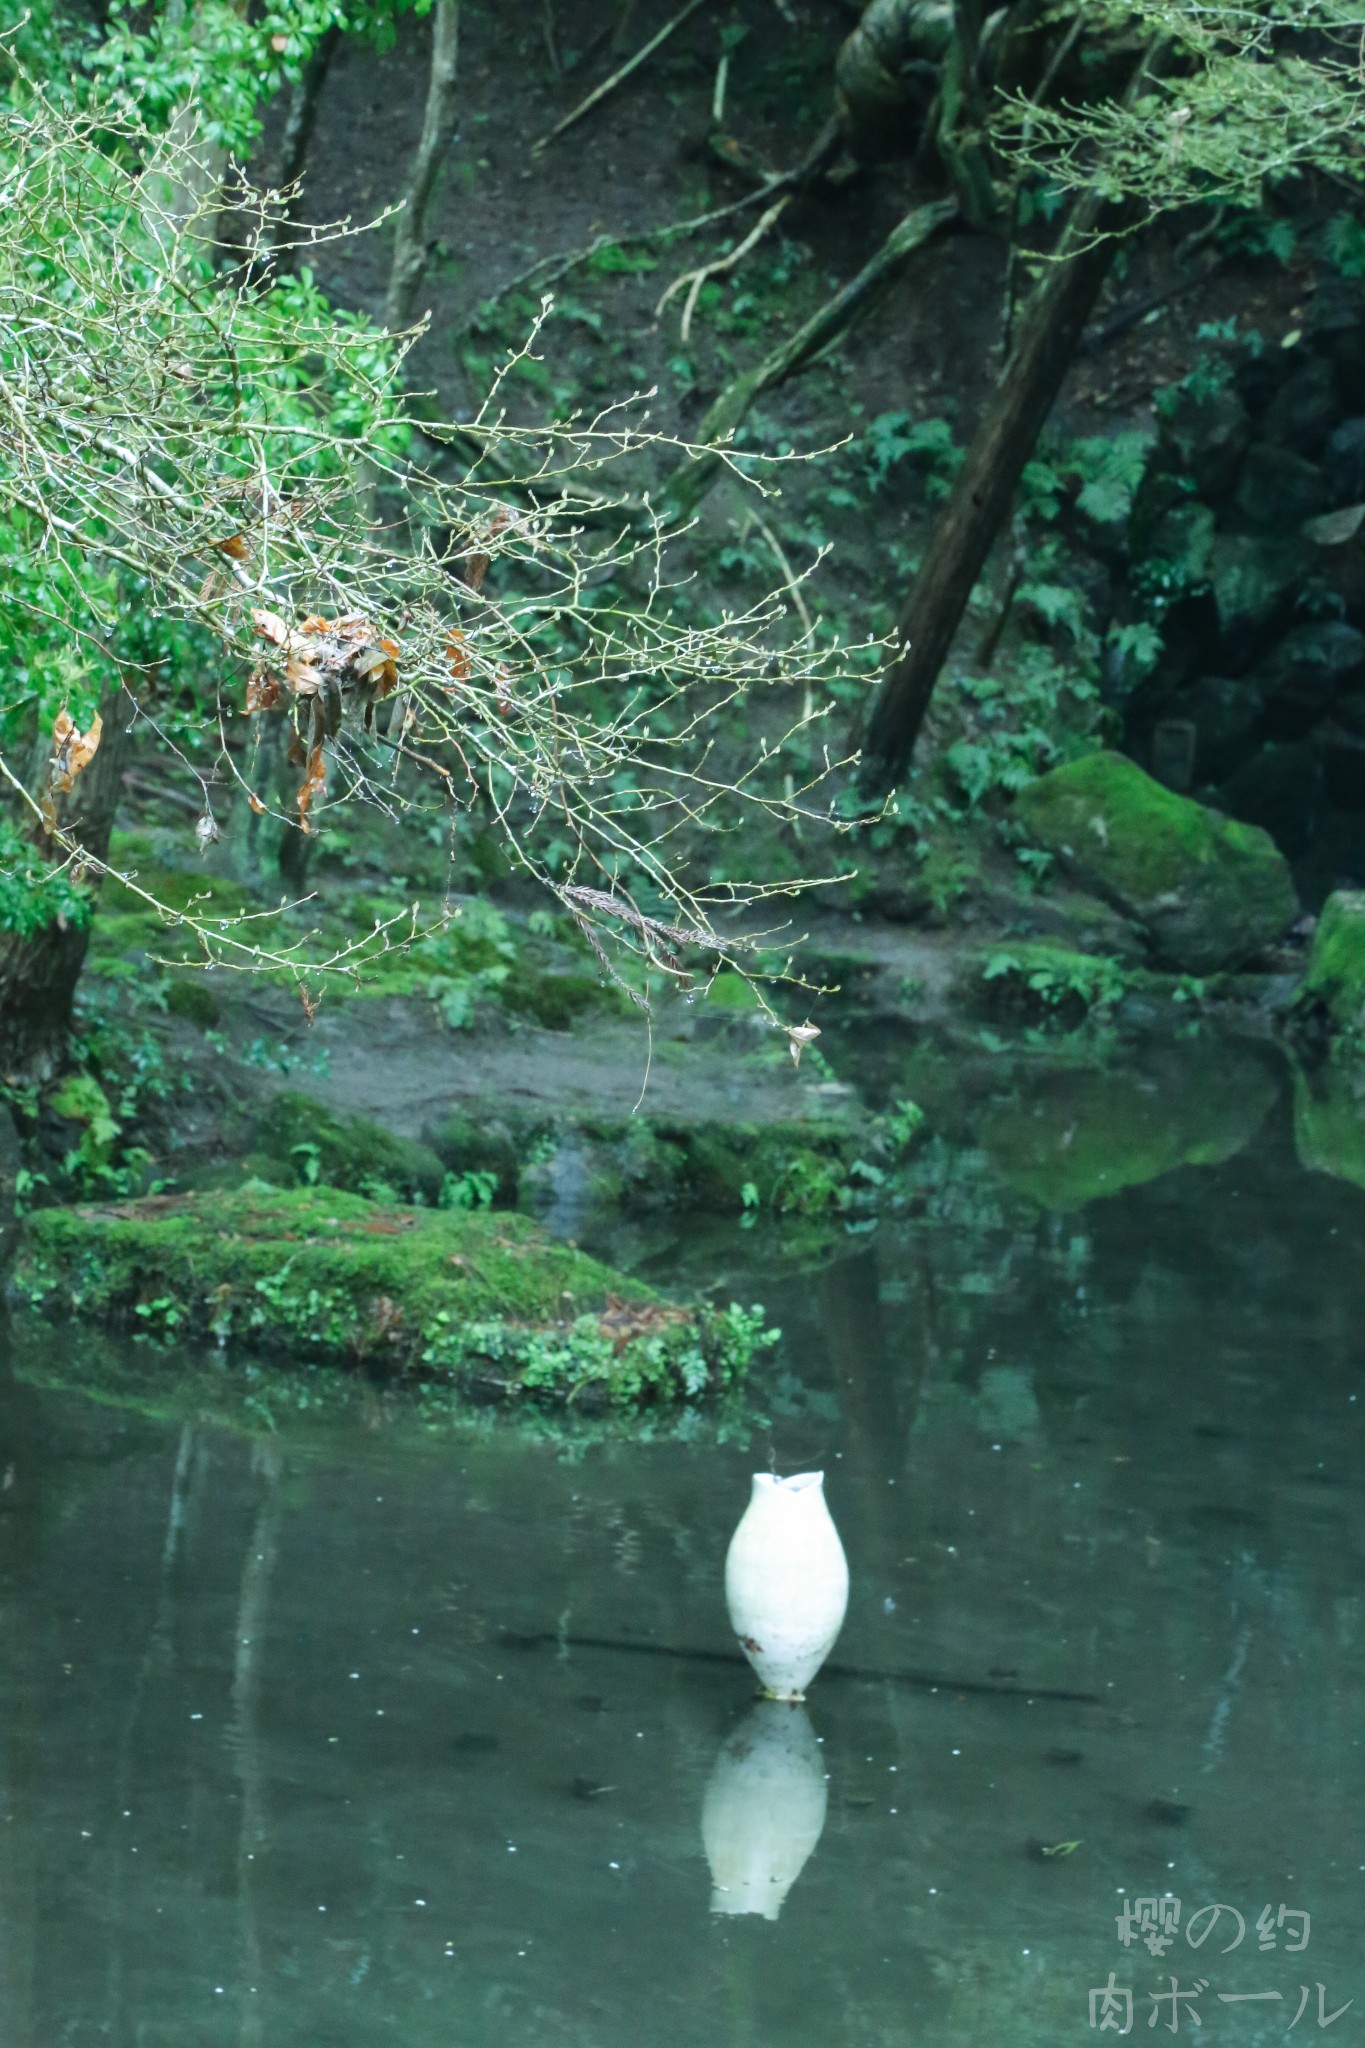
[[377, 1736]]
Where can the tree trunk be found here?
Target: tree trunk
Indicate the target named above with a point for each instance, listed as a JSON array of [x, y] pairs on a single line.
[[982, 496], [979, 504], [298, 134], [39, 970], [438, 130]]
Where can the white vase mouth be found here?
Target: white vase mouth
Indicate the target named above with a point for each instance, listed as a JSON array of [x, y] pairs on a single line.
[[799, 1482]]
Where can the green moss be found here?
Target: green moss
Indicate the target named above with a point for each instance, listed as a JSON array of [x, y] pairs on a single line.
[[190, 997], [81, 1100], [486, 1303], [1208, 890], [1333, 987], [296, 1142], [556, 1001]]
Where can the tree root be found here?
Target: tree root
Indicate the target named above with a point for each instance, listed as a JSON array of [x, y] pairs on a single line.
[[718, 266]]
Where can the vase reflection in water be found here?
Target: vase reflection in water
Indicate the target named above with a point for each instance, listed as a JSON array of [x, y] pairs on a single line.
[[764, 1809], [786, 1582]]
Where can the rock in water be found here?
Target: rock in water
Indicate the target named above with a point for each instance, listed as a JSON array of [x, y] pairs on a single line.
[[1333, 988], [1329, 1119], [1208, 891]]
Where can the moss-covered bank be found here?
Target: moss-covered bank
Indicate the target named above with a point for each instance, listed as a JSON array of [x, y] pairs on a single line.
[[484, 1302]]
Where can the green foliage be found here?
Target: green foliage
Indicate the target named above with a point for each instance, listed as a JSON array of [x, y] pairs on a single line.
[[221, 59], [1020, 725], [1343, 242], [82, 1100], [472, 959], [893, 438], [210, 56], [903, 1122], [610, 259], [1099, 473], [1255, 95], [473, 1190], [1110, 468], [33, 894], [1137, 646]]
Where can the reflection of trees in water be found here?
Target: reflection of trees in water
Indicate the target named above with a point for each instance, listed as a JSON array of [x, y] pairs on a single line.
[[21, 1514], [153, 1669], [244, 1734]]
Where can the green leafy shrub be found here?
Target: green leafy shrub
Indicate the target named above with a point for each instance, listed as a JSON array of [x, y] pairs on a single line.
[[894, 438], [1054, 985]]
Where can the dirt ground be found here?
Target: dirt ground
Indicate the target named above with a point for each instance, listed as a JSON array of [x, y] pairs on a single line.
[[641, 159]]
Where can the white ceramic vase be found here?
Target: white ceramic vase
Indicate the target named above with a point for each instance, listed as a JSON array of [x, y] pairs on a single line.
[[786, 1582], [764, 1809]]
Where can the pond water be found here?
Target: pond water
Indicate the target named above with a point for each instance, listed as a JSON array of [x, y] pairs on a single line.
[[363, 1736]]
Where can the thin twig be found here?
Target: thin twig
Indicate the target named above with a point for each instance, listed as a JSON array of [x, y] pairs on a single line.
[[1037, 99], [789, 577], [618, 77]]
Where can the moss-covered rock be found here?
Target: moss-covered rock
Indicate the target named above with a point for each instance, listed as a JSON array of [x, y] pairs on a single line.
[[487, 1303], [726, 1168], [1208, 891], [189, 996], [298, 1143], [1333, 987], [467, 1144], [1329, 1121], [1086, 1134]]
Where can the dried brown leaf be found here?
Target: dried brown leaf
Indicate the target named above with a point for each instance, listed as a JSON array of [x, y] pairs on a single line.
[[270, 626], [302, 677], [314, 782], [72, 750], [262, 691]]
